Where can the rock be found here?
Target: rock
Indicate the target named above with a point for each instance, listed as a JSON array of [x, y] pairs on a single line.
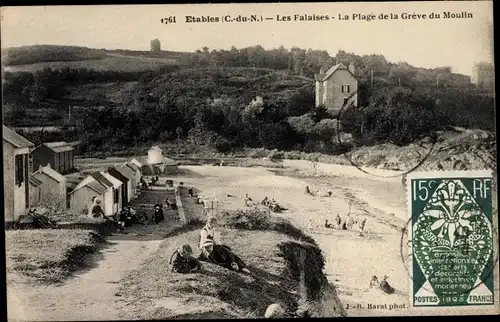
[[274, 311]]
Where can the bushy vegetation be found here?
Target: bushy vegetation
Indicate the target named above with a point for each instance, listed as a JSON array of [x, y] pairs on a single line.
[[264, 101], [261, 219]]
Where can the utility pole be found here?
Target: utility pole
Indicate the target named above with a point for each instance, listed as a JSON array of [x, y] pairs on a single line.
[[371, 78], [437, 80], [399, 81]]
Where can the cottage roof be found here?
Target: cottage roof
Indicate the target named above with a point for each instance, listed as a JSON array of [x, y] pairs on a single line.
[[101, 179], [126, 171], [35, 182], [51, 173], [136, 162], [116, 183], [133, 166], [115, 172], [94, 185], [331, 71], [59, 147], [15, 139]]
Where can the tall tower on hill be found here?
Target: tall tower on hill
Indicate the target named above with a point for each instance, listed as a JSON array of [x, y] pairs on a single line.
[[155, 45]]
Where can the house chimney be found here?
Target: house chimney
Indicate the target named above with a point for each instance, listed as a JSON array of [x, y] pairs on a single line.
[[48, 165], [351, 67], [40, 167], [321, 70]]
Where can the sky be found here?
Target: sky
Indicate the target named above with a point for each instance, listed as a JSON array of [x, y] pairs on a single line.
[[429, 43]]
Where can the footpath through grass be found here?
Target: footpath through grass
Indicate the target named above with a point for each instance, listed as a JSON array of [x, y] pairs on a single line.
[[42, 256]]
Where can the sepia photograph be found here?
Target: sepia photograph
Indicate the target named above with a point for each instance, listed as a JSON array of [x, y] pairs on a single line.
[[244, 161]]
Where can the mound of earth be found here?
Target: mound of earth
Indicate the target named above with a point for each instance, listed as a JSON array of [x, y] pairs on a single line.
[[215, 292]]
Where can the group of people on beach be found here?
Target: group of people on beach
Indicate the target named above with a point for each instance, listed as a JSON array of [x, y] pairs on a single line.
[[182, 260], [348, 223]]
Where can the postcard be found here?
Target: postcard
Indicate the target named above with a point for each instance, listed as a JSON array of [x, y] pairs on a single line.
[[228, 161]]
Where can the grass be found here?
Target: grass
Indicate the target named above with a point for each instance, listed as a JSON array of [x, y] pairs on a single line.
[[43, 256], [270, 248]]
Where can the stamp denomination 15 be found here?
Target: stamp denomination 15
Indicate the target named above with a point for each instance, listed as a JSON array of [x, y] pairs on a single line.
[[451, 237]]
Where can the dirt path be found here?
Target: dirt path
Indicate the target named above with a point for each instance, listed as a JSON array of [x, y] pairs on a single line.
[[90, 295]]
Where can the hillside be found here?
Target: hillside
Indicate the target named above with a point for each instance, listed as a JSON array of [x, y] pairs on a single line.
[[198, 84], [33, 58]]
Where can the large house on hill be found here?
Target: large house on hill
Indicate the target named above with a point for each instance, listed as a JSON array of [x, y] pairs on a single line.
[[336, 87]]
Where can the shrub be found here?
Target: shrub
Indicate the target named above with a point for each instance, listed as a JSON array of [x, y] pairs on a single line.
[[257, 153], [293, 155], [276, 155], [250, 219]]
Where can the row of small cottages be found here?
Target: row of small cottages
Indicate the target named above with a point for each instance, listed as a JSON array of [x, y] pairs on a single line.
[[115, 187], [22, 189]]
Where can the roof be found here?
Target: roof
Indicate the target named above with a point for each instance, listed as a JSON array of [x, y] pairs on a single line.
[[331, 71], [156, 148], [125, 170], [133, 166], [117, 174], [59, 147], [100, 178], [51, 173], [136, 162], [15, 139], [116, 183], [94, 185], [35, 182]]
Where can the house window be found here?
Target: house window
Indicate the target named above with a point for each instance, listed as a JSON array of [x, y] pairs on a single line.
[[346, 89], [116, 195], [19, 169]]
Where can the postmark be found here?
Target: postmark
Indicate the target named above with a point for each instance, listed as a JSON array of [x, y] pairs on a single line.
[[450, 238]]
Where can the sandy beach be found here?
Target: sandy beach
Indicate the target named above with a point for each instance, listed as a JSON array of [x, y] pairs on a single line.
[[352, 260]]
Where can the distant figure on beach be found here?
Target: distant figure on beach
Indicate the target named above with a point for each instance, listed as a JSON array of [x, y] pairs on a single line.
[[327, 224], [374, 282], [310, 224], [362, 224], [348, 222], [338, 221], [248, 200], [308, 191], [384, 286]]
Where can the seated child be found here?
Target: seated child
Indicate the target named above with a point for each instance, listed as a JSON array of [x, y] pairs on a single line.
[[183, 262]]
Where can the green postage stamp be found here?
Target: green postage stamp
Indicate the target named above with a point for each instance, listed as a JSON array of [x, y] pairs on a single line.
[[451, 238]]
